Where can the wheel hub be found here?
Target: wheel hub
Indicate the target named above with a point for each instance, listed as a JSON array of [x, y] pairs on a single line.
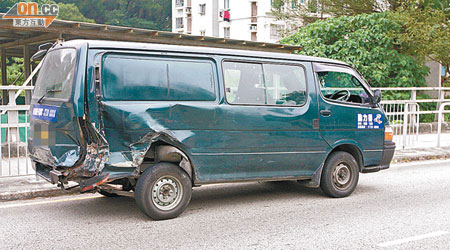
[[166, 193], [341, 175]]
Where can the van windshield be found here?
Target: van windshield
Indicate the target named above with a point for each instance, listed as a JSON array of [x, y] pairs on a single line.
[[56, 75]]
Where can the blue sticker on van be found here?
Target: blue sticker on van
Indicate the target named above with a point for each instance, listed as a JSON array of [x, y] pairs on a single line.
[[370, 121], [43, 112]]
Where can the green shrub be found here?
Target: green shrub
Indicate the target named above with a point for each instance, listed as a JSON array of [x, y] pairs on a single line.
[[368, 42]]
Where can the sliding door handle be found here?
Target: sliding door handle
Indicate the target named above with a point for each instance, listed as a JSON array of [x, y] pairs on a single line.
[[325, 112]]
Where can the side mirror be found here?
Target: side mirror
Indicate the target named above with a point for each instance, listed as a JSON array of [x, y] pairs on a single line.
[[38, 55], [43, 48], [376, 98]]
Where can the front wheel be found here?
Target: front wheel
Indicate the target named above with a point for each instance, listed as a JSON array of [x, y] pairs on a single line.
[[163, 191], [340, 175]]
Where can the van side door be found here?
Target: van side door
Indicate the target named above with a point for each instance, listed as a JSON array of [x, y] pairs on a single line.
[[265, 123], [346, 114]]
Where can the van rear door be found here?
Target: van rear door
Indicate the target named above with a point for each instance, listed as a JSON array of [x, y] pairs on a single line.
[[55, 132]]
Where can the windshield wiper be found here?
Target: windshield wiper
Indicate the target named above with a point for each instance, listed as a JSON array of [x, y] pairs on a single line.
[[46, 92]]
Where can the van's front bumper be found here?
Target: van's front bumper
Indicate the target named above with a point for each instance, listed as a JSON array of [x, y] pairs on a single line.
[[388, 154]]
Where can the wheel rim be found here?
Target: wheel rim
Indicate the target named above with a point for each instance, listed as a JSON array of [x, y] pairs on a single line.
[[167, 192], [342, 176]]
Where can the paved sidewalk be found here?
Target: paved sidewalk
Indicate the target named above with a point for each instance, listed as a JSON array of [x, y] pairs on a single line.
[[421, 154], [423, 141]]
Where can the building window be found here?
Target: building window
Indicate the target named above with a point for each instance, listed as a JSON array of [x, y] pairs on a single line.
[[202, 32], [179, 3], [202, 9], [254, 12], [179, 23], [226, 32], [226, 4], [275, 31]]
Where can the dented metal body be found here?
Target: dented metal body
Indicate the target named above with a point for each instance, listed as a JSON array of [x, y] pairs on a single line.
[[98, 132]]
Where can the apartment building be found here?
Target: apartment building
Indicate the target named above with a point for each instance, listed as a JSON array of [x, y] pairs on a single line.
[[235, 19]]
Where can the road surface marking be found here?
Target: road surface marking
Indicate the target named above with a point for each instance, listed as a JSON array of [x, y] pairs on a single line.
[[413, 238], [50, 201]]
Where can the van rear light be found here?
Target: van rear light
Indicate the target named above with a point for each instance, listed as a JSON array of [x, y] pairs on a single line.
[[388, 133]]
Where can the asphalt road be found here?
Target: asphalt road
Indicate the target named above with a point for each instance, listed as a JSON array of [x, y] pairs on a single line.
[[406, 207]]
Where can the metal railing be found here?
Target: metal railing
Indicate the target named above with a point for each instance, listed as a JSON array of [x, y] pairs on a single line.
[[15, 129], [440, 118], [404, 117]]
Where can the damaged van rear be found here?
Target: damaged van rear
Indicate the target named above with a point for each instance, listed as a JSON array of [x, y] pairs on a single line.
[[152, 121]]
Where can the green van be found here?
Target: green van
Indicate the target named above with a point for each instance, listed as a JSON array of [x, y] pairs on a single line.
[[152, 121]]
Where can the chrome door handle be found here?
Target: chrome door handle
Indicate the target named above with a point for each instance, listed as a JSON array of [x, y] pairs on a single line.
[[325, 112]]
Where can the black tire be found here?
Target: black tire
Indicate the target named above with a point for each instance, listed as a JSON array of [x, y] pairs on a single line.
[[340, 175], [157, 182], [106, 193]]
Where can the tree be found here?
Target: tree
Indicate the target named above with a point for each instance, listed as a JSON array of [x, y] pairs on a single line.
[[71, 12], [149, 14], [368, 42], [356, 7], [426, 31], [5, 5], [66, 11]]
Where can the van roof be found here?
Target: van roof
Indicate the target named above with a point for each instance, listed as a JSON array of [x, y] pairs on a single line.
[[103, 44]]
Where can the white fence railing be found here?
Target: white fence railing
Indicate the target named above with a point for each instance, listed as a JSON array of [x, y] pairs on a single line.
[[15, 129], [403, 115], [404, 119]]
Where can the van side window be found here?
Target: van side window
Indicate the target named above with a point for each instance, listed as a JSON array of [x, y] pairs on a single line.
[[286, 85], [264, 84], [142, 78], [341, 86]]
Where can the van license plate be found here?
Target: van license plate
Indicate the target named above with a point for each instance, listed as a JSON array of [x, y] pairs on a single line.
[[43, 112]]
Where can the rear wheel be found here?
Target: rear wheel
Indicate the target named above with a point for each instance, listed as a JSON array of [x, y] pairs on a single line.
[[340, 175], [163, 191]]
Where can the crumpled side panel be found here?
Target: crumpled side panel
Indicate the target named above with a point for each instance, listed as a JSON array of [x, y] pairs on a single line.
[[97, 153], [140, 148], [129, 131]]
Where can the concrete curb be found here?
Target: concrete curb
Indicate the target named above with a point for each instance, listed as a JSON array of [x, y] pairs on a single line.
[[421, 154], [29, 187], [38, 193], [401, 159]]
